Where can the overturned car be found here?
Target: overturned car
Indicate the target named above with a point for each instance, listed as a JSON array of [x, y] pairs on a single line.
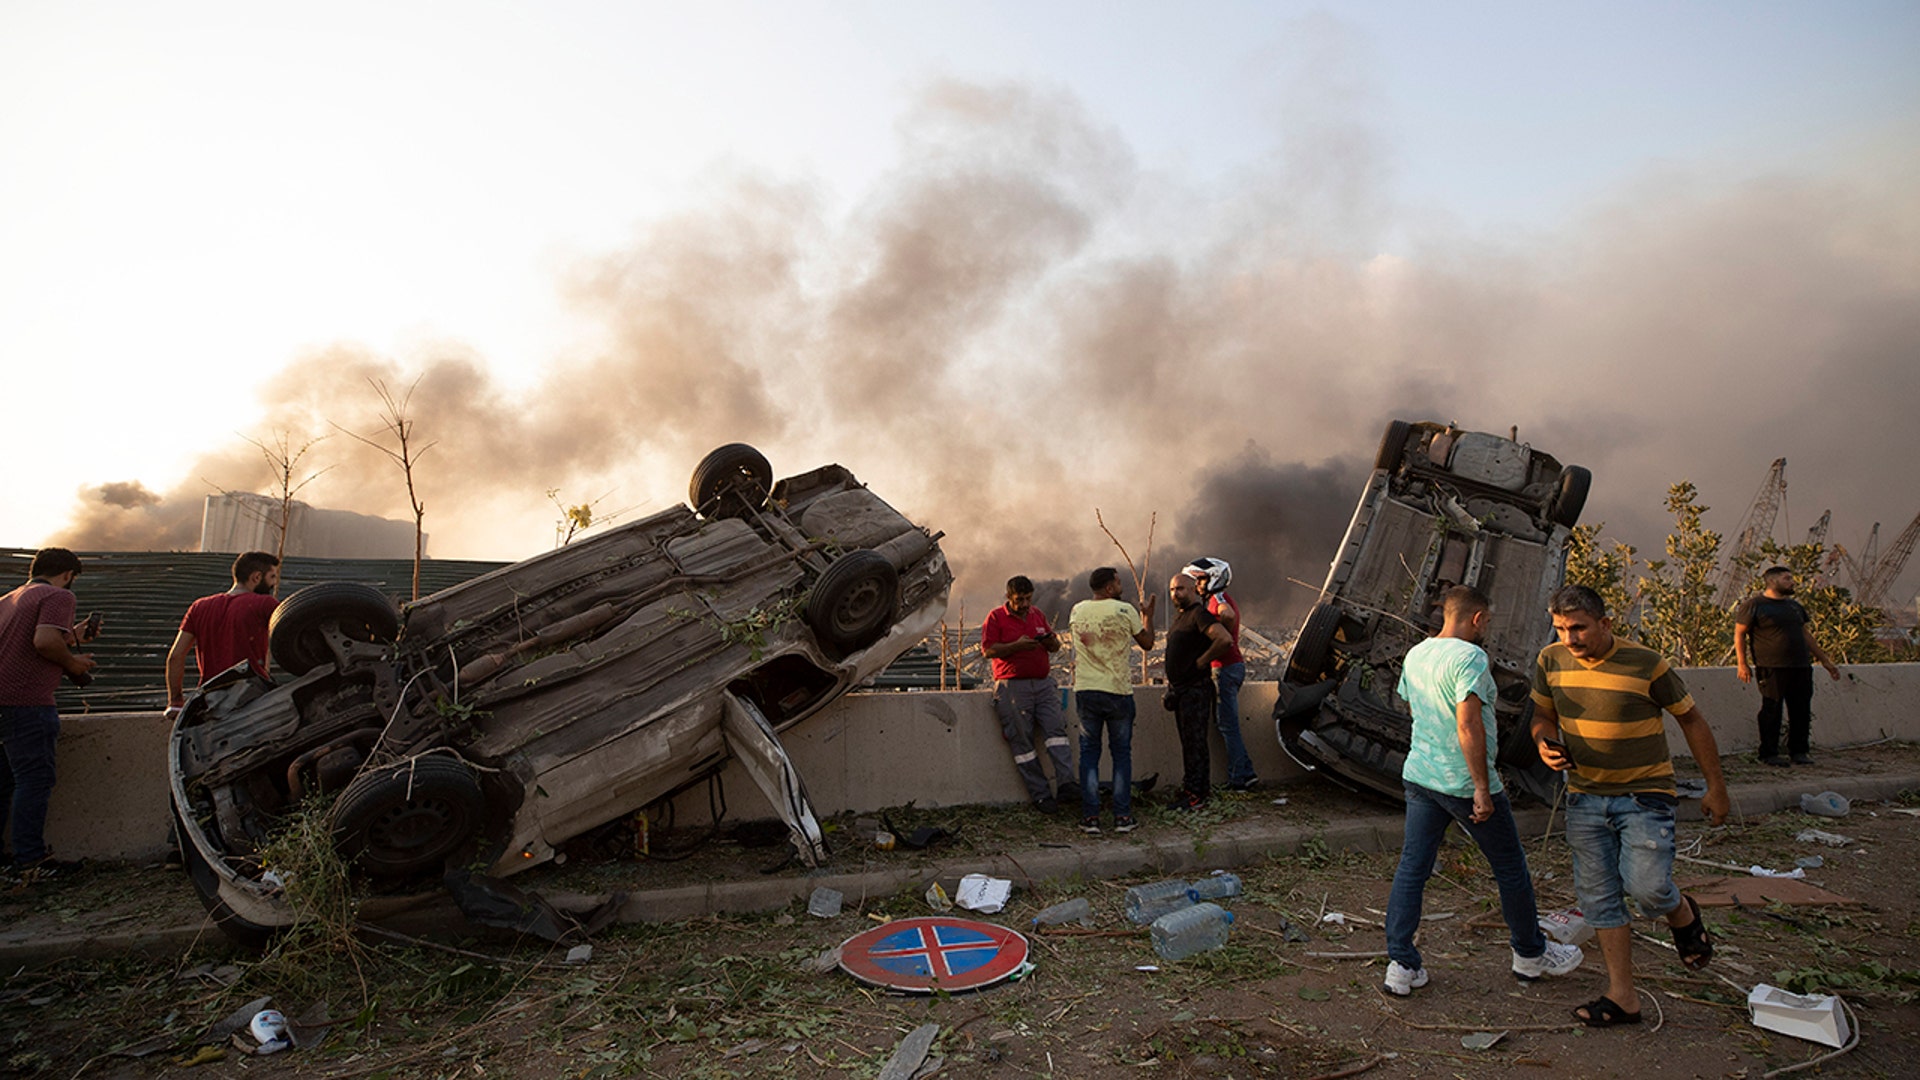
[[492, 721], [1442, 507]]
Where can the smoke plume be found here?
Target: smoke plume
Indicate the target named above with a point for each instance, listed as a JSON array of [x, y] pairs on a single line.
[[1019, 325]]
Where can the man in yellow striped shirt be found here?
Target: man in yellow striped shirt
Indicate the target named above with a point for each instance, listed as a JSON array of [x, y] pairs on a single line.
[[1598, 701]]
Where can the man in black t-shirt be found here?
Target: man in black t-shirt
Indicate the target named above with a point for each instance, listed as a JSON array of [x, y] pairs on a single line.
[[1195, 639], [1773, 627]]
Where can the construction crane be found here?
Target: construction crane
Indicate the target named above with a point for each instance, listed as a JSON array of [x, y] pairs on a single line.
[[1858, 569], [1818, 534], [1755, 529], [1882, 573]]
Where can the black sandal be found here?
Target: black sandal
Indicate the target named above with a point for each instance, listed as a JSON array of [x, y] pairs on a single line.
[[1694, 942], [1603, 1011]]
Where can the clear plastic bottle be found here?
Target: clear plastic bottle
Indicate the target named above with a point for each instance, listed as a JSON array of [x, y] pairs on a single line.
[[1074, 910], [1214, 887], [1179, 934], [1146, 903]]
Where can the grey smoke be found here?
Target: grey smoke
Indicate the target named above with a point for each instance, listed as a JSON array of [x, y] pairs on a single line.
[[1020, 325]]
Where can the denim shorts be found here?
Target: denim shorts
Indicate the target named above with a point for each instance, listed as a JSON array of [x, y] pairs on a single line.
[[1622, 846]]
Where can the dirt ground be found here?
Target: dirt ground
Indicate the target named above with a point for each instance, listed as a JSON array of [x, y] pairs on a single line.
[[734, 996]]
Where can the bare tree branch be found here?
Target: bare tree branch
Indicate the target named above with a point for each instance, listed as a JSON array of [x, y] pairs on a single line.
[[397, 424]]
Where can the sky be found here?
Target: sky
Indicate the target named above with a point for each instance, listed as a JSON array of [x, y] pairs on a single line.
[[1011, 263]]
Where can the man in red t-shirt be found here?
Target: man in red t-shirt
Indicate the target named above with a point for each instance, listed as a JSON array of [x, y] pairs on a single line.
[[223, 629], [1017, 638], [37, 636]]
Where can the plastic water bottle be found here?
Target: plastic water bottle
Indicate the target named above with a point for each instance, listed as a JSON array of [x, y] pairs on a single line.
[[1146, 903], [1179, 934], [1074, 910], [1214, 887]]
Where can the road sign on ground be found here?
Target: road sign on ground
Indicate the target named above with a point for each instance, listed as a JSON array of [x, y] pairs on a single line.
[[934, 953]]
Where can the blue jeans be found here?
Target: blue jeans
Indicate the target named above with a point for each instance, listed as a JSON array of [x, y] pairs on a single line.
[[1429, 813], [1113, 713], [1622, 846], [1226, 680], [28, 733]]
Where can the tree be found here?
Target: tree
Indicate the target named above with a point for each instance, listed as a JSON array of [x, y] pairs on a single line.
[[1679, 613], [1672, 605], [397, 424], [284, 459], [1607, 569]]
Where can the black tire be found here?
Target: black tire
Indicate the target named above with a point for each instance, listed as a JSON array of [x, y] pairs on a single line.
[[206, 885], [1570, 497], [853, 602], [407, 819], [1393, 445], [1313, 649], [297, 632], [734, 471]]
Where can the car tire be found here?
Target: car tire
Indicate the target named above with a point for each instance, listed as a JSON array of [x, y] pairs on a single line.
[[1393, 445], [1570, 497], [1313, 649], [736, 470], [206, 885], [853, 602], [406, 819], [296, 634]]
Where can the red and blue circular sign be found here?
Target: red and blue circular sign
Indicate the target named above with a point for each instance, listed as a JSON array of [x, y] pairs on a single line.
[[934, 953]]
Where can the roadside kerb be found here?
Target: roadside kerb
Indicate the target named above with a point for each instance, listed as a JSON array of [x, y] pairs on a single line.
[[1230, 845]]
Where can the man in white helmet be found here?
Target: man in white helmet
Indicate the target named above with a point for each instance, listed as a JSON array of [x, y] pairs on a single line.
[[1212, 576]]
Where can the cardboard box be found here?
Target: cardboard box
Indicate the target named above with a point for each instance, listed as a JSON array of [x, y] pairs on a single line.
[[1816, 1018]]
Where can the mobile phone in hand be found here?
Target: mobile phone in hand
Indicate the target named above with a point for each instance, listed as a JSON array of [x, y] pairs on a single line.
[[91, 628], [1561, 747]]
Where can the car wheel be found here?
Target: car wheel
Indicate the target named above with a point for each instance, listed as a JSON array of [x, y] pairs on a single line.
[[1313, 649], [734, 469], [206, 885], [853, 602], [1570, 497], [406, 819], [1393, 445], [297, 633]]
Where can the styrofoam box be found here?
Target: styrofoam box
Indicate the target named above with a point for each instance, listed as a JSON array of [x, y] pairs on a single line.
[[1816, 1018]]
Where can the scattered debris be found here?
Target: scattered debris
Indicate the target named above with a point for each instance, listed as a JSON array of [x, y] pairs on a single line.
[[937, 898], [1761, 871], [1482, 1040], [269, 1029], [825, 903], [1814, 1017], [828, 960], [1567, 926], [579, 954], [984, 894], [1809, 862], [1728, 891], [1826, 804], [751, 1046], [911, 1052], [1821, 836]]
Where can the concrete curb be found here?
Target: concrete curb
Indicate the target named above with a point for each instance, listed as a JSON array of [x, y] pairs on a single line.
[[1233, 844]]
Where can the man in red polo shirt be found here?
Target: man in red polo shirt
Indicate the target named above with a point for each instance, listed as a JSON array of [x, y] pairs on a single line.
[[223, 629], [1018, 639]]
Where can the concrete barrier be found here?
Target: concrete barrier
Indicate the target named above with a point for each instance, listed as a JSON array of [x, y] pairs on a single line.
[[874, 750]]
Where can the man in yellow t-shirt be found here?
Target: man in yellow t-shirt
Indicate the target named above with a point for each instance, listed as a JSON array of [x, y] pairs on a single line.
[[1105, 630]]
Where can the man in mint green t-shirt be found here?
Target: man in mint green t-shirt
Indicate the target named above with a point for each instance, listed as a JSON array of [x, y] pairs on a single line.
[[1450, 778]]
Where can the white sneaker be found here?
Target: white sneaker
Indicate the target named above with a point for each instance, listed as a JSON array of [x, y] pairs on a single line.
[[1402, 981], [1557, 960]]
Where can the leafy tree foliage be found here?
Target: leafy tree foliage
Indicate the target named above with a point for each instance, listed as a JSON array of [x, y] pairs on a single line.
[[1671, 604]]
